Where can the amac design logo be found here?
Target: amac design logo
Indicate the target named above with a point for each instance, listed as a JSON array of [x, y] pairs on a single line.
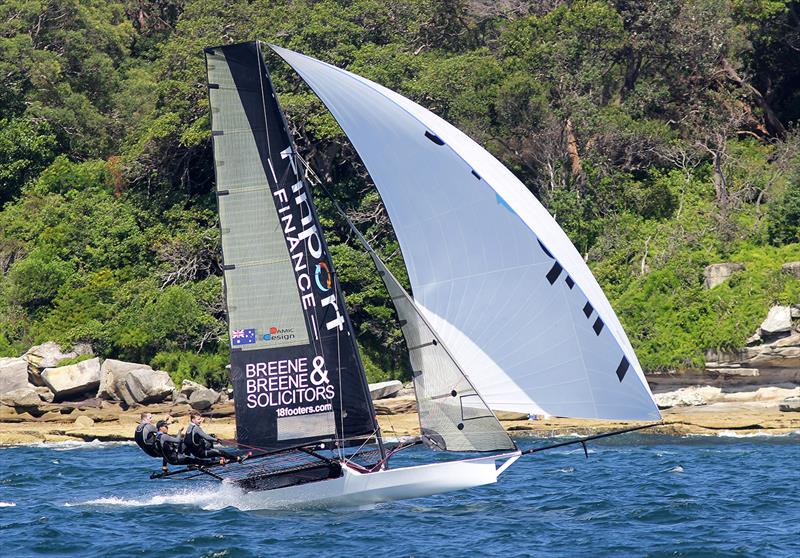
[[278, 334]]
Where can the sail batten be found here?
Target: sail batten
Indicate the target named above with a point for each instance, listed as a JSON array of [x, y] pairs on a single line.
[[474, 241], [295, 368]]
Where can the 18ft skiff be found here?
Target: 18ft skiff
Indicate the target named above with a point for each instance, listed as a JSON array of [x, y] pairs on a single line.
[[504, 313]]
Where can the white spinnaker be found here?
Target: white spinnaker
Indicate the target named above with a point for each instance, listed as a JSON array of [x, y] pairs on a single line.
[[493, 272]]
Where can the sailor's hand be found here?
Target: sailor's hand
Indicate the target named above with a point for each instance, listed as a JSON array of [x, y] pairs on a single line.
[[165, 469]]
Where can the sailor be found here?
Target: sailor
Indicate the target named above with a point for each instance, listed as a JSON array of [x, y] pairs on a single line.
[[145, 435], [197, 443], [171, 449]]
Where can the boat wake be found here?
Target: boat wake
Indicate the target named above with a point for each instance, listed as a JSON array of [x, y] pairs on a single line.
[[215, 498], [77, 445]]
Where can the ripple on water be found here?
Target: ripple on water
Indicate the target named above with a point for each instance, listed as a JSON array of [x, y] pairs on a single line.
[[628, 498]]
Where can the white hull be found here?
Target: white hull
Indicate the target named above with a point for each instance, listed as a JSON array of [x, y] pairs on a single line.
[[355, 490]]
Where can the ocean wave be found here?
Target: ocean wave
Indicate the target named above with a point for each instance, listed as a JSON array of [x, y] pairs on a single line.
[[7, 504]]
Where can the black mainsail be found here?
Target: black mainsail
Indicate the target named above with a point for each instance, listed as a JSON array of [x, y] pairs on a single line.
[[295, 367]]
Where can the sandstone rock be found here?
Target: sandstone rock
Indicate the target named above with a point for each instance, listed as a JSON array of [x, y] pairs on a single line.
[[203, 398], [46, 355], [687, 397], [44, 393], [775, 393], [406, 392], [113, 374], [790, 341], [74, 379], [395, 406], [754, 340], [792, 268], [23, 398], [188, 386], [384, 390], [84, 422], [510, 415], [148, 386], [779, 320], [734, 371], [716, 274], [13, 374], [790, 405], [83, 349], [783, 353], [179, 398]]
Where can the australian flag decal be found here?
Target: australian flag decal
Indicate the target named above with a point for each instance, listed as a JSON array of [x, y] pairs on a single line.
[[243, 336]]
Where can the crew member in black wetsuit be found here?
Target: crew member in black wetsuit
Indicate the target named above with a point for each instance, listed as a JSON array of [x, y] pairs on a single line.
[[199, 444], [171, 448], [145, 436]]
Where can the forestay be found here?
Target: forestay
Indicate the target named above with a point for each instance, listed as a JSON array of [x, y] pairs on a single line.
[[490, 270]]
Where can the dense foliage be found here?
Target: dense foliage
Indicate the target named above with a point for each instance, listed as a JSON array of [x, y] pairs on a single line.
[[660, 134]]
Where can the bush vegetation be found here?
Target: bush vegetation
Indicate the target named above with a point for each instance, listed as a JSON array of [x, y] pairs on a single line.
[[660, 135]]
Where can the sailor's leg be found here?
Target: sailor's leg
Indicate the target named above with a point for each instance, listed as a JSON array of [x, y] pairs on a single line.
[[191, 460], [216, 453]]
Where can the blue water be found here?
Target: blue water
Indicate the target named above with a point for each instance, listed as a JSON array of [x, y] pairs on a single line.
[[634, 496]]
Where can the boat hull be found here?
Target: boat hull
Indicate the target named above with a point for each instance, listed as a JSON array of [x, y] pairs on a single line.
[[363, 490]]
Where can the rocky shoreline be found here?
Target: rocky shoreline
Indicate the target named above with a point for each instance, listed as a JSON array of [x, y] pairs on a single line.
[[48, 395], [108, 421]]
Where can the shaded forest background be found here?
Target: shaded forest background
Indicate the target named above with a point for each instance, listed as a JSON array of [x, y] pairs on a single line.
[[661, 135]]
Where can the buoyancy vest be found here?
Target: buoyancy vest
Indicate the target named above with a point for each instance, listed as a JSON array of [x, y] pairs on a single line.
[[145, 438], [167, 448], [193, 443]]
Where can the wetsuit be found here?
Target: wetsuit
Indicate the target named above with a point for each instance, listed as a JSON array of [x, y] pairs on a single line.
[[171, 450], [200, 444], [145, 437]]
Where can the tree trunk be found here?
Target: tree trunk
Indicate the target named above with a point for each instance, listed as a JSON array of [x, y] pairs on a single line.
[[774, 125], [576, 169]]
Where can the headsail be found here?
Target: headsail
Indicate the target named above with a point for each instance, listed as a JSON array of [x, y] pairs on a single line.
[[491, 271], [295, 368], [452, 414]]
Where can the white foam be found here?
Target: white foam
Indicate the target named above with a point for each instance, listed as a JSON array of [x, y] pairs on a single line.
[[7, 504], [77, 445], [222, 496], [733, 434], [676, 469]]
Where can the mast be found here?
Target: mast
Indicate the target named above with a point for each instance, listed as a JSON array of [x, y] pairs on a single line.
[[295, 367]]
